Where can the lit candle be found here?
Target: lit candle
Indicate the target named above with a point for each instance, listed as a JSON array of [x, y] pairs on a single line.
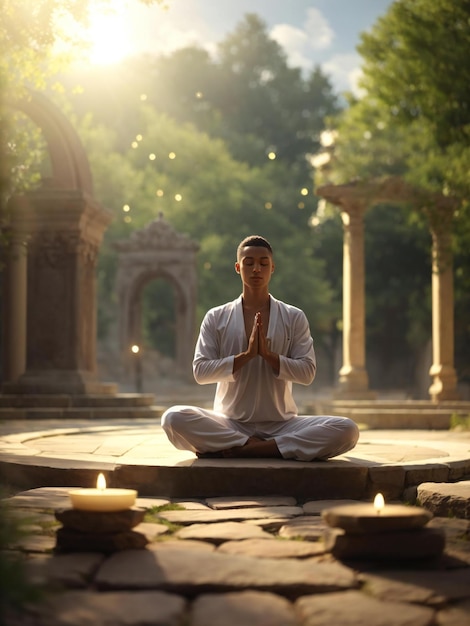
[[375, 517], [102, 499], [379, 503]]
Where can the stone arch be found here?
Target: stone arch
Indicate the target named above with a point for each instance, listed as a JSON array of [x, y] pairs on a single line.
[[157, 251], [70, 167], [49, 314]]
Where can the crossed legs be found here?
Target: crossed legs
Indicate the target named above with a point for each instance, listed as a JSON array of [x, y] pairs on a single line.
[[304, 438]]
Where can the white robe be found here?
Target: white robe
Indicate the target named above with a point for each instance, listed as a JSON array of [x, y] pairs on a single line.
[[254, 401], [254, 393]]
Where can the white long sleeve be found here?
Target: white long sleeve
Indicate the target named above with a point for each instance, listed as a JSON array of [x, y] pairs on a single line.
[[254, 393]]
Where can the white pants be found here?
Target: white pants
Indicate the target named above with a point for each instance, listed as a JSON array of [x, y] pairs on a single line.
[[303, 438]]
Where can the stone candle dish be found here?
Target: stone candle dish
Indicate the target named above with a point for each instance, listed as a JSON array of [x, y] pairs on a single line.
[[363, 518], [101, 520], [381, 532]]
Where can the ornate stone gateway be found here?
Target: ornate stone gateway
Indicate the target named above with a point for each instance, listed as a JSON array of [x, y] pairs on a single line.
[[158, 251]]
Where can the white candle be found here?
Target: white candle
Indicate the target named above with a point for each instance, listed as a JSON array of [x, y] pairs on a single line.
[[102, 499]]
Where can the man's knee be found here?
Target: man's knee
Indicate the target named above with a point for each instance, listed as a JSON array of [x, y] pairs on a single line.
[[172, 418], [349, 434]]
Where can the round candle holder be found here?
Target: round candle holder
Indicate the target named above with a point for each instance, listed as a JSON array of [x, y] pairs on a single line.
[[379, 531], [364, 518]]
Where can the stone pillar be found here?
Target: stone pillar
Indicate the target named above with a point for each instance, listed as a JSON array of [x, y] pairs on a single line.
[[353, 379], [14, 306], [65, 229], [442, 372]]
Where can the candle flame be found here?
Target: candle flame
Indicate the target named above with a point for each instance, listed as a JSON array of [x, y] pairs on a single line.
[[379, 503], [101, 482]]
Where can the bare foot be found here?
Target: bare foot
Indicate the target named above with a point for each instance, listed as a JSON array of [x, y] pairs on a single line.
[[221, 454], [254, 448], [217, 454]]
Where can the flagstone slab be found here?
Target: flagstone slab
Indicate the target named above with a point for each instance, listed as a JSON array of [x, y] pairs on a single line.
[[309, 527], [247, 502], [150, 503], [315, 507], [446, 499], [222, 531], [211, 516], [273, 548], [151, 530], [271, 524], [245, 608], [193, 506], [73, 571], [431, 587], [453, 527], [34, 543], [353, 608], [190, 573], [42, 498], [455, 615], [87, 608], [188, 544]]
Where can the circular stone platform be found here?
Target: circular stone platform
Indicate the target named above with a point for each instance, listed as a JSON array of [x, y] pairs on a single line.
[[137, 454]]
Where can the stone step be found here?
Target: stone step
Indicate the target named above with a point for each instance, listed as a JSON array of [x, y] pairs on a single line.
[[82, 400], [81, 412], [399, 417], [457, 405]]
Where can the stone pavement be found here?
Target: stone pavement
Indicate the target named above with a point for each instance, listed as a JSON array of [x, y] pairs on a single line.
[[230, 542], [222, 561]]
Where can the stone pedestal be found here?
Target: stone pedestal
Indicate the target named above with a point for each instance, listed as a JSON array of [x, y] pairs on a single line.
[[404, 545], [91, 531], [394, 532], [64, 230]]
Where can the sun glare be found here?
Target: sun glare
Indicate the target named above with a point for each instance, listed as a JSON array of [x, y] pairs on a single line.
[[108, 34]]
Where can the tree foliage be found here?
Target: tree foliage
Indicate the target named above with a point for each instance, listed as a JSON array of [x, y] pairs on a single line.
[[183, 105], [413, 120], [203, 191]]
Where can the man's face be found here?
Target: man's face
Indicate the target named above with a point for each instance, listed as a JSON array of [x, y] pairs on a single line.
[[255, 266]]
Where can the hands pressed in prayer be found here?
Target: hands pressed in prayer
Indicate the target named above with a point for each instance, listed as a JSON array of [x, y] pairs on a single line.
[[259, 340]]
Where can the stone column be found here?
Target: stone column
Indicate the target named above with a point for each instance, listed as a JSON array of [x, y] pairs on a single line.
[[442, 372], [353, 379], [14, 305], [65, 228]]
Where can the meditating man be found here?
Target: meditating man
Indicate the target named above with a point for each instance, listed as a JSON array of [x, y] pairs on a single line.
[[254, 348]]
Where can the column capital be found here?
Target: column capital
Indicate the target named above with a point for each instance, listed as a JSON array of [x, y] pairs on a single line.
[[60, 211]]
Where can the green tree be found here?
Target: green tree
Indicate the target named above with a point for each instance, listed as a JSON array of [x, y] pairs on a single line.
[[248, 96], [201, 190], [29, 33], [413, 120]]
